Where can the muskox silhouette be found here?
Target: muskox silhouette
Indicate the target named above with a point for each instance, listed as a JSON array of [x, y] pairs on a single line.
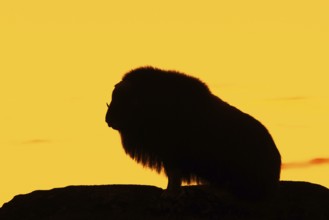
[[171, 121]]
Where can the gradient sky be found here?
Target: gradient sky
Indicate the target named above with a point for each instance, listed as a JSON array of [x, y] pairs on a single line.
[[60, 59]]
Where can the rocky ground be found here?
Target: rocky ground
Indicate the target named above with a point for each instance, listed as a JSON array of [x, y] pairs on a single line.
[[296, 200]]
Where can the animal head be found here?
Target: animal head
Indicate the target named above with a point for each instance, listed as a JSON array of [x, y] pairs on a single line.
[[122, 110], [148, 95]]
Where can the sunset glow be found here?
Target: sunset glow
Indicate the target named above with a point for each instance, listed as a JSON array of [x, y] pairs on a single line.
[[59, 61]]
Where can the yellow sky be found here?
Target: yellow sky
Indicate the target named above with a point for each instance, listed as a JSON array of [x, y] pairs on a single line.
[[60, 59]]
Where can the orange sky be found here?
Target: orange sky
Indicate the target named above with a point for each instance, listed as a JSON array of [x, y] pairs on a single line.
[[60, 59]]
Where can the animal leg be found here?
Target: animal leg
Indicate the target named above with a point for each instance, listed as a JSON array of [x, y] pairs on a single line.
[[174, 183]]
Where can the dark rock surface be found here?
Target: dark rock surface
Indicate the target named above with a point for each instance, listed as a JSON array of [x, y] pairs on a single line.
[[296, 200]]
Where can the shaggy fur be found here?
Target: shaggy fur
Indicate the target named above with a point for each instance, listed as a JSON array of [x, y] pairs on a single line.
[[170, 120]]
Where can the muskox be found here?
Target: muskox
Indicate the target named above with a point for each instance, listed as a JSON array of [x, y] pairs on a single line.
[[171, 121]]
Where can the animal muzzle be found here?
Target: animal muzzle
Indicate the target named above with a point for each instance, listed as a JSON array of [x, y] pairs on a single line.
[[114, 126]]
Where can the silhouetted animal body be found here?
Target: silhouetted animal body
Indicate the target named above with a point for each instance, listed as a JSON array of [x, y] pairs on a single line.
[[169, 120]]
